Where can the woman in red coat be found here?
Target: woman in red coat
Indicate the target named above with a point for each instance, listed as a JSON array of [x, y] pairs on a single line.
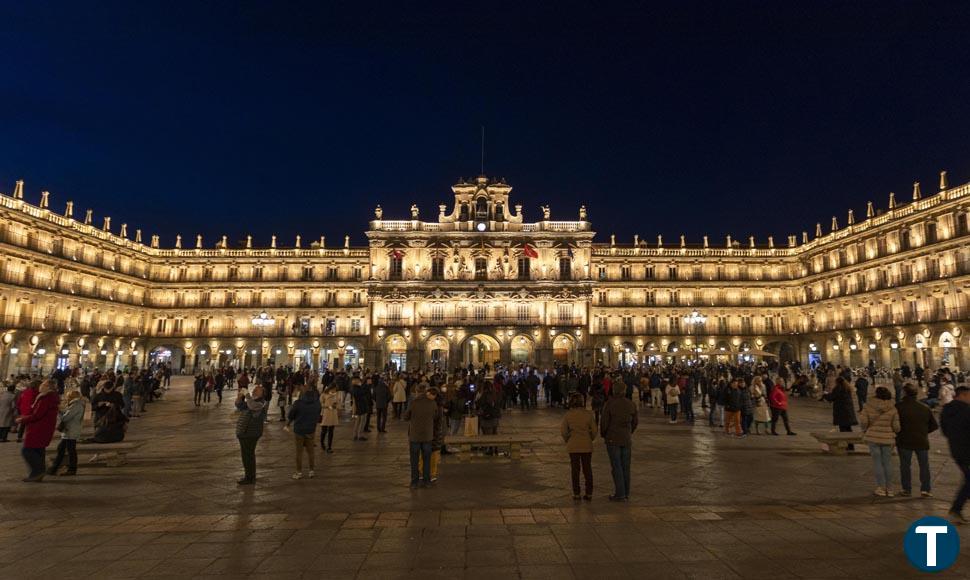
[[40, 424], [778, 401]]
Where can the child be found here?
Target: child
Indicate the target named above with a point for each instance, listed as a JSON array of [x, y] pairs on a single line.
[[673, 400], [70, 427], [762, 413]]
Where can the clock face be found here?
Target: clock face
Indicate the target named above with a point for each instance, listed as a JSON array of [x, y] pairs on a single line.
[[481, 226]]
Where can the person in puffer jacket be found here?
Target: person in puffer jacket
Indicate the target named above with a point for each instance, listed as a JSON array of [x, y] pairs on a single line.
[[71, 418], [40, 424], [880, 423], [304, 415], [249, 428]]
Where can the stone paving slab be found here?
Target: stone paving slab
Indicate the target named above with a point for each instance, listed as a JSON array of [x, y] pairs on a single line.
[[703, 506]]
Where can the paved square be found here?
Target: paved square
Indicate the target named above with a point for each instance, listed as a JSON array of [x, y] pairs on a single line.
[[703, 506]]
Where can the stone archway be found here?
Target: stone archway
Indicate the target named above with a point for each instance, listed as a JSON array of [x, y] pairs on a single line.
[[522, 349], [437, 348], [564, 349], [480, 349], [396, 352]]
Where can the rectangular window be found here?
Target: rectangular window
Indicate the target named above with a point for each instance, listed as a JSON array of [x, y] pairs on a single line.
[[331, 273], [358, 272], [651, 325], [356, 297], [257, 273], [565, 314], [178, 325], [305, 298], [303, 327], [602, 325], [525, 268], [481, 312], [437, 312], [307, 273], [674, 324], [437, 268], [355, 325], [601, 296], [231, 298], [522, 312], [565, 269], [672, 272], [161, 325], [625, 272], [397, 269], [233, 272], [207, 273], [650, 297], [627, 324], [394, 313], [330, 327], [674, 297], [649, 272], [204, 326], [257, 298], [481, 269], [602, 272]]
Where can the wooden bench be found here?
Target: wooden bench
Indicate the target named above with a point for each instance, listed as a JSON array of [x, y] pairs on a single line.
[[513, 443], [111, 454], [838, 442]]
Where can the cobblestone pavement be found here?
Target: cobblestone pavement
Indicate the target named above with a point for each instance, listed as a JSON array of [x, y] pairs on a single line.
[[703, 506]]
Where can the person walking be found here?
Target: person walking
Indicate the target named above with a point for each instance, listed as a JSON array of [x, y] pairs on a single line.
[[843, 411], [916, 422], [305, 413], [25, 400], [618, 423], [330, 401], [249, 428], [673, 400], [8, 406], [421, 416], [578, 430], [39, 425], [732, 410], [862, 390], [880, 422], [955, 424], [778, 401], [70, 427]]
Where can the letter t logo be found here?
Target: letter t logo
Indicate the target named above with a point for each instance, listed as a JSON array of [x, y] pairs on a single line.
[[931, 532]]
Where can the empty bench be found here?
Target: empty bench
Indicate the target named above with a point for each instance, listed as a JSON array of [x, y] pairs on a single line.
[[838, 442], [111, 454], [511, 443]]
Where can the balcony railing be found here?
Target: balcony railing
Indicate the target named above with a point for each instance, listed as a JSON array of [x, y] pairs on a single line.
[[41, 324], [479, 321]]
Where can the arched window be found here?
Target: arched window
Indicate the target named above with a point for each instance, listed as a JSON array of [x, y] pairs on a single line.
[[499, 212], [463, 212], [481, 208]]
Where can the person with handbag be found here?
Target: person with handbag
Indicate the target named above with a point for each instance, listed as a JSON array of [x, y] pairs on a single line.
[[70, 427], [249, 428]]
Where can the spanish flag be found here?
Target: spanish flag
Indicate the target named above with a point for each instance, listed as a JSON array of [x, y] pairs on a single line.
[[529, 251]]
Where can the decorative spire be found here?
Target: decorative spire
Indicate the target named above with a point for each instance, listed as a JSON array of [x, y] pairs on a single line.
[[225, 242], [137, 236], [683, 241], [45, 198], [18, 189], [835, 223], [869, 211], [272, 242], [612, 239], [124, 231], [706, 245], [805, 237], [818, 229], [916, 192], [636, 240], [729, 242], [792, 240], [88, 217], [69, 210], [943, 182], [771, 241], [298, 240], [155, 241], [198, 241], [346, 241], [892, 200], [660, 241], [249, 241], [751, 242], [378, 212], [851, 219], [323, 242], [178, 241], [107, 224]]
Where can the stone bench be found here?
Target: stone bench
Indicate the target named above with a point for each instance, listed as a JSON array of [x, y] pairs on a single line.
[[512, 443], [838, 442], [111, 454]]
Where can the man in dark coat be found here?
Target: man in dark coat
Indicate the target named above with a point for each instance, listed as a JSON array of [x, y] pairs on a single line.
[[955, 422], [618, 423], [916, 422], [422, 414], [382, 398]]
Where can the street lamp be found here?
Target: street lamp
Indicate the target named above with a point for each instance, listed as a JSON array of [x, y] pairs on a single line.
[[262, 321], [693, 320]]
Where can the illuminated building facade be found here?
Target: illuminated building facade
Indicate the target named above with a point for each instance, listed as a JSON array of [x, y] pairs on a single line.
[[480, 284]]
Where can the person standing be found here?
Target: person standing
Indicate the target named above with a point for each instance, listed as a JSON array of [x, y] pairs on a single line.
[[955, 423], [382, 398], [70, 419], [862, 390], [578, 430], [361, 399], [916, 422], [249, 428], [732, 410], [880, 422], [843, 412], [303, 418], [25, 400], [330, 401], [8, 405], [673, 400], [421, 415], [618, 423], [400, 396], [39, 425]]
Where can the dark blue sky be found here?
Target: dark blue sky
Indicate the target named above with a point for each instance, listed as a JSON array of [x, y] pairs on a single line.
[[697, 118]]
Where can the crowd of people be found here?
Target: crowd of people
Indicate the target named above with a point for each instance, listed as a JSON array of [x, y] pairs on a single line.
[[736, 399], [37, 407]]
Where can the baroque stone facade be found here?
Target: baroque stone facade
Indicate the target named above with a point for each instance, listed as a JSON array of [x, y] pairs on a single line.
[[480, 284]]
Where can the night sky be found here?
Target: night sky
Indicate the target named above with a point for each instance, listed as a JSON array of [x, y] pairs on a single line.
[[699, 118]]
